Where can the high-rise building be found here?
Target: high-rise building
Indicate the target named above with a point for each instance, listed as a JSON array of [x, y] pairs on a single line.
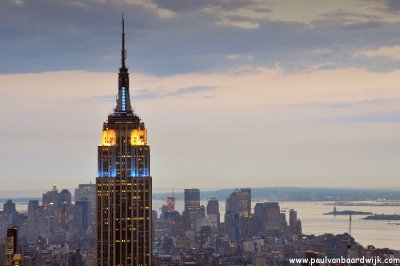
[[212, 206], [88, 192], [213, 209], [82, 210], [273, 212], [56, 214], [192, 199], [11, 245], [239, 201], [171, 204], [50, 199], [232, 226], [292, 218], [17, 260], [34, 219], [123, 183], [294, 223], [192, 205], [268, 218], [9, 207], [51, 222], [65, 197]]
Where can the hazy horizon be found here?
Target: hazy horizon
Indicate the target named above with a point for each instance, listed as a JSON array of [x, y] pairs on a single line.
[[37, 192]]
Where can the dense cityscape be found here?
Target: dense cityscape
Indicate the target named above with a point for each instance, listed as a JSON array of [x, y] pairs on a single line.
[[61, 230], [113, 222]]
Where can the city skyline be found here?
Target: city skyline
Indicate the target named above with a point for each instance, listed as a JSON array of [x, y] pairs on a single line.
[[244, 92]]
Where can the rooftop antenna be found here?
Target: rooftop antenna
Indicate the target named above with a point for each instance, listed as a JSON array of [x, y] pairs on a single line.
[[123, 51], [349, 235], [349, 245]]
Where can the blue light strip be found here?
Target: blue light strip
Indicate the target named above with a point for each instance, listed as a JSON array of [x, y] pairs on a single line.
[[142, 173], [123, 96], [106, 173], [114, 171]]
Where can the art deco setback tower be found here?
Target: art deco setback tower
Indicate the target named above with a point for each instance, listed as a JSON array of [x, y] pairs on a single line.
[[124, 183]]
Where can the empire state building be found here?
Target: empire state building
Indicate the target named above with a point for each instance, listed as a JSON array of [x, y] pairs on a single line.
[[123, 183]]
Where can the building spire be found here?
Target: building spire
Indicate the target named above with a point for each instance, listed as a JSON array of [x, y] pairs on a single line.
[[123, 51], [123, 100]]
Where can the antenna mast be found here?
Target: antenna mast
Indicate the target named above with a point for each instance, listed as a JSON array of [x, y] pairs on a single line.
[[349, 245], [349, 235]]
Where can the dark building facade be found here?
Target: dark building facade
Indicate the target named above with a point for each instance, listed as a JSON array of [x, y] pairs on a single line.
[[192, 199], [11, 245], [238, 214], [213, 209], [83, 211], [239, 201], [124, 186], [171, 204], [268, 218], [213, 206], [87, 192], [9, 207], [192, 209]]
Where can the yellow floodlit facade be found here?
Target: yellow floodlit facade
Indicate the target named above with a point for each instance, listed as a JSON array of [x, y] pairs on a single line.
[[17, 260], [109, 137], [139, 137]]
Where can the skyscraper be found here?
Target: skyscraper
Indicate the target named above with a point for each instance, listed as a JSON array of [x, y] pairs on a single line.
[[294, 223], [87, 192], [192, 199], [123, 184], [213, 208], [192, 205], [238, 214], [11, 244], [273, 212], [9, 207], [171, 204], [239, 201], [269, 219]]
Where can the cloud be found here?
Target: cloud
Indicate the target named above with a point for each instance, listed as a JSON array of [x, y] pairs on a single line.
[[347, 17], [379, 117], [194, 5], [198, 37], [106, 98], [239, 23], [364, 26], [392, 6], [240, 57], [145, 94], [341, 105], [17, 2], [323, 52], [392, 52], [333, 105], [190, 90], [380, 101]]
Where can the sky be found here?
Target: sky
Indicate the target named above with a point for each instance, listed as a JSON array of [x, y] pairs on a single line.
[[239, 93]]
